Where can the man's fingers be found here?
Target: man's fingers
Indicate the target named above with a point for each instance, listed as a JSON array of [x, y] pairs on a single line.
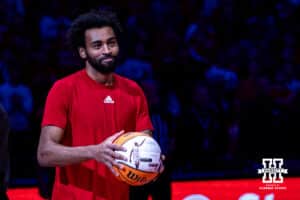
[[112, 157], [116, 155], [161, 168], [118, 165], [119, 156], [114, 172], [113, 137], [116, 147], [110, 166]]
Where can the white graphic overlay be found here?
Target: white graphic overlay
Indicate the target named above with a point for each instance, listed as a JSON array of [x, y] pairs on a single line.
[[272, 170]]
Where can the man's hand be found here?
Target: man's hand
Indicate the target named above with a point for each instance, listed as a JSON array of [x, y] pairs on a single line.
[[162, 167], [105, 153]]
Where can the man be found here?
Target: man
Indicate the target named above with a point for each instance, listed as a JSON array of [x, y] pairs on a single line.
[[4, 155], [86, 111]]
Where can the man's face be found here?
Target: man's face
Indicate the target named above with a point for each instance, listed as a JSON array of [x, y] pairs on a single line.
[[101, 49]]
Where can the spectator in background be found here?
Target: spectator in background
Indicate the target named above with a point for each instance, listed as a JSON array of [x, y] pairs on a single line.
[[205, 131], [4, 155], [16, 98], [135, 69]]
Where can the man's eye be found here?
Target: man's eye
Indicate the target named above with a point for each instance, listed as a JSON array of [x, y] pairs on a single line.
[[97, 46], [112, 43]]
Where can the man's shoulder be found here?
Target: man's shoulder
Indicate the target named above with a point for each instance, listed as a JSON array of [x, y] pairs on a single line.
[[72, 77], [129, 86], [69, 80], [127, 82]]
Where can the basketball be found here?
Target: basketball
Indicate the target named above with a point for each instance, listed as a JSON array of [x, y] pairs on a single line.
[[143, 158]]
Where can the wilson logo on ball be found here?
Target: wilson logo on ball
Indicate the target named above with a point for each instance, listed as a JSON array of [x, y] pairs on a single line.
[[134, 177]]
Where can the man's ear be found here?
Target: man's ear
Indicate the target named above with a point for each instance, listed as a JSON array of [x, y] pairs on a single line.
[[82, 52]]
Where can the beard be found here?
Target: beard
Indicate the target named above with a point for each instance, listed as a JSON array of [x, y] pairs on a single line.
[[100, 66]]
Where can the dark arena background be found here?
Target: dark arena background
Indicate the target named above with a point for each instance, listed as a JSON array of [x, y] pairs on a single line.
[[222, 78]]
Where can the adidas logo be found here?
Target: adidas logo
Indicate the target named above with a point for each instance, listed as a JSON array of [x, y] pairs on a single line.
[[108, 99]]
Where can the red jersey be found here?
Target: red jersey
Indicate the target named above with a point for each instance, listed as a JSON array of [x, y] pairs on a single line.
[[89, 112]]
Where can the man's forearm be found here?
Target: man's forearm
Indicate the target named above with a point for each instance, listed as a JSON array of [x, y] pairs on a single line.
[[59, 155]]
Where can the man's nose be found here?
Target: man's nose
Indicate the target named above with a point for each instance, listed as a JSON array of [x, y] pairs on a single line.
[[106, 49]]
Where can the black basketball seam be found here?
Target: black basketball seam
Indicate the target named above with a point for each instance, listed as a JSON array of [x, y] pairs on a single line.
[[137, 169]]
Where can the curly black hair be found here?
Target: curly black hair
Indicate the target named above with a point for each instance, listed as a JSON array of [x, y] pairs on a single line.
[[92, 19]]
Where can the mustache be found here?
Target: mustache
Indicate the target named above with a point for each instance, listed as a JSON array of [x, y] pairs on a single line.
[[105, 57]]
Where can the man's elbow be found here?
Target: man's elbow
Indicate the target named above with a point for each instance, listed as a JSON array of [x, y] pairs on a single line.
[[43, 158]]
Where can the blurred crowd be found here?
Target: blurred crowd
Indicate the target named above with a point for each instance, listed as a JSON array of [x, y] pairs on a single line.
[[222, 77]]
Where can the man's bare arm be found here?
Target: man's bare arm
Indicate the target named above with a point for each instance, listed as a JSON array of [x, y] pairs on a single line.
[[52, 153]]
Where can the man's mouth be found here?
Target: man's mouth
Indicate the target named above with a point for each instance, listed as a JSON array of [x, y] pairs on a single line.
[[107, 59]]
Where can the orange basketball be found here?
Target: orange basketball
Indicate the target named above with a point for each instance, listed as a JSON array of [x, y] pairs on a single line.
[[143, 158]]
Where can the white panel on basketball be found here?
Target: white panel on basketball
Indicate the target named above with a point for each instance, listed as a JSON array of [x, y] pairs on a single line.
[[143, 153]]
